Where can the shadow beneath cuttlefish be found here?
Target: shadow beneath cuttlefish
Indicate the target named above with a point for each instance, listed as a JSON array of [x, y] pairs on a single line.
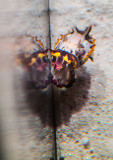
[[65, 102], [73, 99]]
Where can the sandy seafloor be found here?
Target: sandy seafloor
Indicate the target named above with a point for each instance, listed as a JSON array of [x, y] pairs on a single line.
[[84, 113]]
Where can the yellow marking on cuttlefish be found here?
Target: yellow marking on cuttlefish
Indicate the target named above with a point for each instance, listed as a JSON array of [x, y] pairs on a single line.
[[41, 55], [75, 64], [65, 58], [40, 43], [56, 54], [56, 44], [63, 37], [69, 61], [33, 60], [91, 51]]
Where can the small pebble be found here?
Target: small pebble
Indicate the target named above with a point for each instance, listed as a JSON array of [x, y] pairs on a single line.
[[99, 133], [85, 142], [77, 141], [97, 113], [98, 122], [93, 156], [91, 150], [92, 108]]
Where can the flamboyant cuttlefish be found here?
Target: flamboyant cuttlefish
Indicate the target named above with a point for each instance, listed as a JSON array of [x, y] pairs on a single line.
[[59, 66]]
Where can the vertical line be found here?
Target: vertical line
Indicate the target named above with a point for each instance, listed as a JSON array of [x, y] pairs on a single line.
[[52, 89], [49, 24]]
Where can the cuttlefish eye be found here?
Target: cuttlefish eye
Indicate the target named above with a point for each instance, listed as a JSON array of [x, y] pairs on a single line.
[[53, 58], [60, 59], [38, 61], [45, 59]]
